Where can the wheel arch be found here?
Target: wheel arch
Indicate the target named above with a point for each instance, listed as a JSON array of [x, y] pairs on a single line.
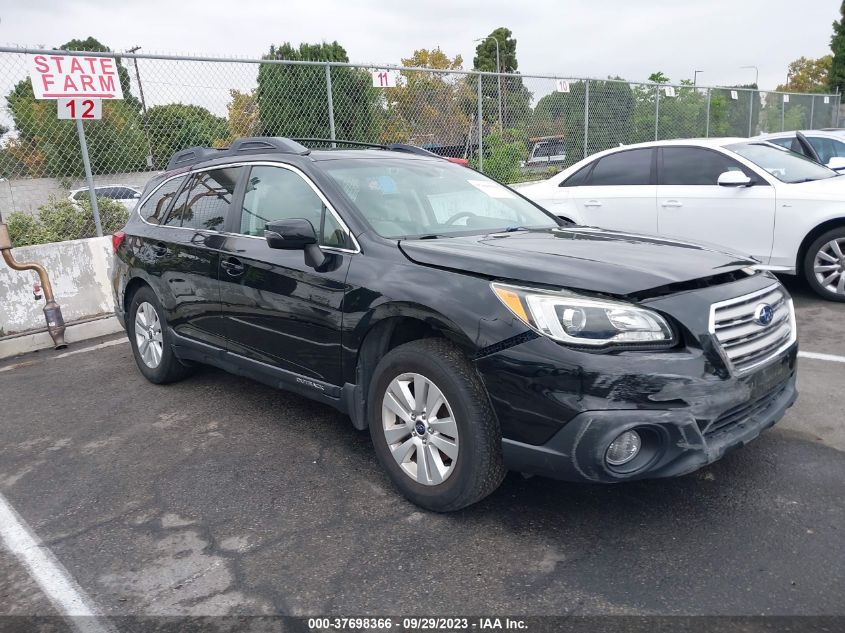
[[812, 236], [392, 325]]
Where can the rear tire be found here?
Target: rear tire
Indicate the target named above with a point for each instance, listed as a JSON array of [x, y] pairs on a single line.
[[442, 449], [150, 340], [824, 265]]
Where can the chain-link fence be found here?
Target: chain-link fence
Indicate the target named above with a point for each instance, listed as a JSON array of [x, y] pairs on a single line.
[[512, 127]]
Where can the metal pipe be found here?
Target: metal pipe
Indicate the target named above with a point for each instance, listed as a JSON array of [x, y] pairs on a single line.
[[52, 311]]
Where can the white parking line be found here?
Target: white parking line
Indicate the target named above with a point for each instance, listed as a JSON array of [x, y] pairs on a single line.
[[832, 358], [53, 579], [91, 348]]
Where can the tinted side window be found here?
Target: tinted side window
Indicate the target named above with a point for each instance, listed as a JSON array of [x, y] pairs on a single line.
[[578, 178], [156, 205], [275, 193], [631, 167], [694, 166], [206, 205], [827, 148], [783, 142]]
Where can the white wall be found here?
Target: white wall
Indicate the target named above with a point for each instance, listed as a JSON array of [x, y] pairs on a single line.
[[80, 271]]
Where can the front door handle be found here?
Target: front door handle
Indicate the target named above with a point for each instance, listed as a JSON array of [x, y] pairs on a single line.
[[671, 203], [233, 266], [592, 203]]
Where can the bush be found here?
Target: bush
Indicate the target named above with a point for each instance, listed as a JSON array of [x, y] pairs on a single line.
[[503, 156], [60, 220]]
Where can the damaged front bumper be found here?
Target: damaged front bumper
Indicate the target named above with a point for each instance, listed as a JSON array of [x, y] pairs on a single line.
[[674, 441]]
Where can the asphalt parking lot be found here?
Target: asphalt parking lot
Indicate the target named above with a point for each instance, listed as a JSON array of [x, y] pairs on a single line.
[[218, 495]]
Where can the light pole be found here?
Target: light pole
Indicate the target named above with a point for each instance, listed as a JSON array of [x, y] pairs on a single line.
[[498, 75], [756, 74], [751, 99], [695, 77]]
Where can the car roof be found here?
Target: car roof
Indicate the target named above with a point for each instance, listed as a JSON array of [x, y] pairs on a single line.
[[829, 133], [722, 141]]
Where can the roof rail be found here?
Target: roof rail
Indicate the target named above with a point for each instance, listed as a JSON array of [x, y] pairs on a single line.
[[190, 156], [395, 147], [262, 144], [239, 147]]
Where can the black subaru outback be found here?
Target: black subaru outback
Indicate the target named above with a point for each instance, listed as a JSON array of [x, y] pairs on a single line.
[[465, 326]]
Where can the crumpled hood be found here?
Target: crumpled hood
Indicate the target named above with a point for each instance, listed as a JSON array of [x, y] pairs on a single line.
[[579, 257]]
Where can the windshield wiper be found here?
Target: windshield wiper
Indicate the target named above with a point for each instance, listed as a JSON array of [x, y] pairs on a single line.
[[511, 229], [430, 236]]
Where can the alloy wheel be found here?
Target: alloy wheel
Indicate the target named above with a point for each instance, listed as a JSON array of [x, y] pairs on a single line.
[[148, 337], [420, 429], [829, 266]]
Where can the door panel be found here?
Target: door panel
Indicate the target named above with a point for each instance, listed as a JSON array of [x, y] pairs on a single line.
[[281, 312], [620, 192], [193, 251], [691, 206], [277, 309]]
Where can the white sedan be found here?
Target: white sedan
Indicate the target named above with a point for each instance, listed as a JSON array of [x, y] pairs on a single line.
[[127, 196], [748, 196]]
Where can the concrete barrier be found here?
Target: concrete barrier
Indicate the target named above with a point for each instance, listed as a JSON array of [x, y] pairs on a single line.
[[80, 271]]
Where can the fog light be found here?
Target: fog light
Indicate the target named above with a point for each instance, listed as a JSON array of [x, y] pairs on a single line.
[[623, 449]]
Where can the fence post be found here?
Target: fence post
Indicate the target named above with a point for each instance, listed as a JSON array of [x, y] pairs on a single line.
[[783, 113], [586, 115], [656, 109], [707, 124], [83, 146], [750, 112], [331, 103], [480, 130], [812, 109]]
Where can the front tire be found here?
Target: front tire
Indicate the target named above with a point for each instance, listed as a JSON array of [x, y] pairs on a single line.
[[150, 340], [824, 265], [432, 426]]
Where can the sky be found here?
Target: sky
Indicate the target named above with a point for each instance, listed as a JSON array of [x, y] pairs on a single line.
[[574, 38]]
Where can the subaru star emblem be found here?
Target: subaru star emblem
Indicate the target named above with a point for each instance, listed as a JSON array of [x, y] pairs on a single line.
[[764, 313]]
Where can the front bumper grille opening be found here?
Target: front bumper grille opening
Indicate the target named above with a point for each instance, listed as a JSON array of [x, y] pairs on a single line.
[[746, 343]]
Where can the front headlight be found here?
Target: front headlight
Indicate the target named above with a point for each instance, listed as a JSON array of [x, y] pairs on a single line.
[[575, 319]]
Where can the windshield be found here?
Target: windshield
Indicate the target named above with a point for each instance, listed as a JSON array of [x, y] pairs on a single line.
[[781, 163], [423, 198]]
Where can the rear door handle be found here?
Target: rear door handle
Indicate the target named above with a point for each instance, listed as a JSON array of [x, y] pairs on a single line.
[[671, 203], [592, 203], [232, 266]]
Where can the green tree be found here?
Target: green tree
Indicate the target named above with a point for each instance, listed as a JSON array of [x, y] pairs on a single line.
[[504, 153], [808, 75], [292, 99], [516, 99], [425, 108], [243, 114], [836, 75], [176, 126], [610, 117], [45, 146]]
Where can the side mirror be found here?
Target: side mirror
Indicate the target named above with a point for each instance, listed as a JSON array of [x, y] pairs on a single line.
[[294, 235], [733, 179], [290, 235], [837, 163]]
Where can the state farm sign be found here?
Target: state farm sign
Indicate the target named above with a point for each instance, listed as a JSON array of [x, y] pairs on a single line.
[[69, 76]]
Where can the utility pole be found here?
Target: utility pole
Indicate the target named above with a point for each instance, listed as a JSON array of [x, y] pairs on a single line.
[[135, 49], [498, 75], [695, 77]]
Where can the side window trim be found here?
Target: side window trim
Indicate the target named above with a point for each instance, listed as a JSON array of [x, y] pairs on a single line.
[[588, 173], [652, 177], [758, 182], [141, 202], [234, 228]]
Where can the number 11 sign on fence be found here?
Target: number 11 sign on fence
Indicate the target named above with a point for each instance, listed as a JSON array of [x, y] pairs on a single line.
[[384, 78]]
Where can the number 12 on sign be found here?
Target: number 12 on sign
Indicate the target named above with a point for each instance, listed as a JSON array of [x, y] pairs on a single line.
[[86, 109]]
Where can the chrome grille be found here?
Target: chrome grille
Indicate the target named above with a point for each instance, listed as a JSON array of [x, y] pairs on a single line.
[[745, 343]]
